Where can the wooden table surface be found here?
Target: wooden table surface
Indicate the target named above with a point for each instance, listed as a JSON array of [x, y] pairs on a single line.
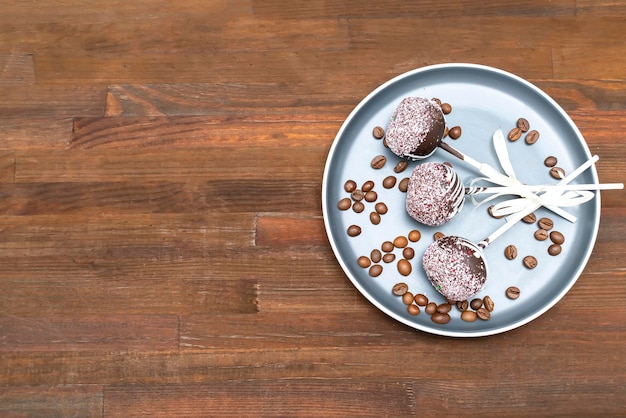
[[162, 245]]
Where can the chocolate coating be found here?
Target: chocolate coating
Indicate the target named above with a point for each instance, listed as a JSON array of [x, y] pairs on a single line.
[[415, 129], [456, 267]]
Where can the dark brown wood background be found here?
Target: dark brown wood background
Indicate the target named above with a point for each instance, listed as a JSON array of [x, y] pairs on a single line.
[[162, 249]]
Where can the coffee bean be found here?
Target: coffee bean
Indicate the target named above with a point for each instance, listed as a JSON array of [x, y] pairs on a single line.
[[378, 161], [557, 173], [446, 108], [541, 235], [407, 298], [389, 182], [556, 237], [436, 100], [376, 255], [531, 218], [357, 195], [349, 186], [404, 184], [438, 235], [462, 305], [400, 241], [530, 262], [514, 134], [389, 257], [510, 252], [375, 218], [371, 196], [455, 132], [483, 314], [446, 132], [358, 207], [440, 318], [512, 292], [414, 235], [554, 249], [476, 303], [413, 309], [469, 316], [378, 132], [344, 204], [400, 289], [404, 267], [385, 144], [545, 223], [421, 299], [488, 302], [550, 161], [444, 308], [532, 137], [490, 210], [408, 253], [364, 261], [375, 270], [431, 308], [523, 124], [354, 230], [381, 208], [387, 246], [401, 166], [367, 186]]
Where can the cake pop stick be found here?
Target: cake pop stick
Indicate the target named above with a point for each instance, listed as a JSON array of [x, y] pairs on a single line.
[[541, 188]]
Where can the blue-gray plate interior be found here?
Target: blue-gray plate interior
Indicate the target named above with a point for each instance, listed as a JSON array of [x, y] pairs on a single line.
[[483, 99]]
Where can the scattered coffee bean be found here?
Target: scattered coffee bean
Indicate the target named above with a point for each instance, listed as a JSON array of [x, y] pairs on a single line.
[[378, 161], [404, 267], [437, 235], [431, 308], [401, 166], [510, 252], [374, 218], [483, 314], [446, 132], [400, 241], [488, 302], [532, 137], [446, 108], [354, 230], [413, 309], [387, 246], [375, 270], [554, 249], [550, 161], [421, 299], [455, 132], [436, 100], [400, 289], [462, 305], [557, 173], [407, 298], [385, 143], [357, 195], [444, 308], [344, 204], [530, 262], [556, 237], [404, 184], [389, 182], [378, 132], [469, 316], [358, 207], [414, 235], [440, 318], [523, 124], [349, 186], [490, 210], [389, 257], [545, 223], [514, 134], [541, 235], [530, 218], [381, 208], [376, 255], [371, 196], [476, 303], [364, 261], [367, 186], [408, 253], [512, 292]]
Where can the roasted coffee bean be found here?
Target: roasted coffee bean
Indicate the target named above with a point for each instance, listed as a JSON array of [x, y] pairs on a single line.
[[378, 132], [371, 196], [512, 292], [421, 299], [404, 184], [376, 255], [367, 186], [531, 218], [400, 241], [483, 314], [488, 302], [414, 235], [490, 210], [550, 161], [523, 124], [469, 316], [446, 132], [530, 262], [438, 235], [344, 204], [375, 270], [510, 252], [557, 172], [446, 108], [389, 257], [514, 134], [436, 100], [455, 132], [440, 318], [375, 218], [364, 261], [387, 246], [444, 308], [532, 137], [541, 235], [354, 230], [407, 298], [545, 223], [401, 166], [413, 309], [385, 143], [404, 267], [381, 208], [431, 308], [378, 161], [358, 207], [389, 182], [349, 186], [556, 237], [408, 253], [357, 195], [476, 303], [462, 305], [400, 289], [554, 249]]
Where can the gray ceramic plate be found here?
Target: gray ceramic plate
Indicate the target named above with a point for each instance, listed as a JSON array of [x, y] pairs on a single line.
[[483, 100]]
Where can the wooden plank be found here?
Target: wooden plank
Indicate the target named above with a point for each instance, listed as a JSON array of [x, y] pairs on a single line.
[[35, 132], [46, 101], [282, 231], [16, 68], [52, 401]]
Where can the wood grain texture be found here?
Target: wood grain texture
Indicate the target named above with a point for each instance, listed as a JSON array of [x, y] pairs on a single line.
[[162, 244]]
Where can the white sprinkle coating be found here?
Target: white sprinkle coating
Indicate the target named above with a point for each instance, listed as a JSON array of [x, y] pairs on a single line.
[[435, 194], [456, 267], [409, 133]]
